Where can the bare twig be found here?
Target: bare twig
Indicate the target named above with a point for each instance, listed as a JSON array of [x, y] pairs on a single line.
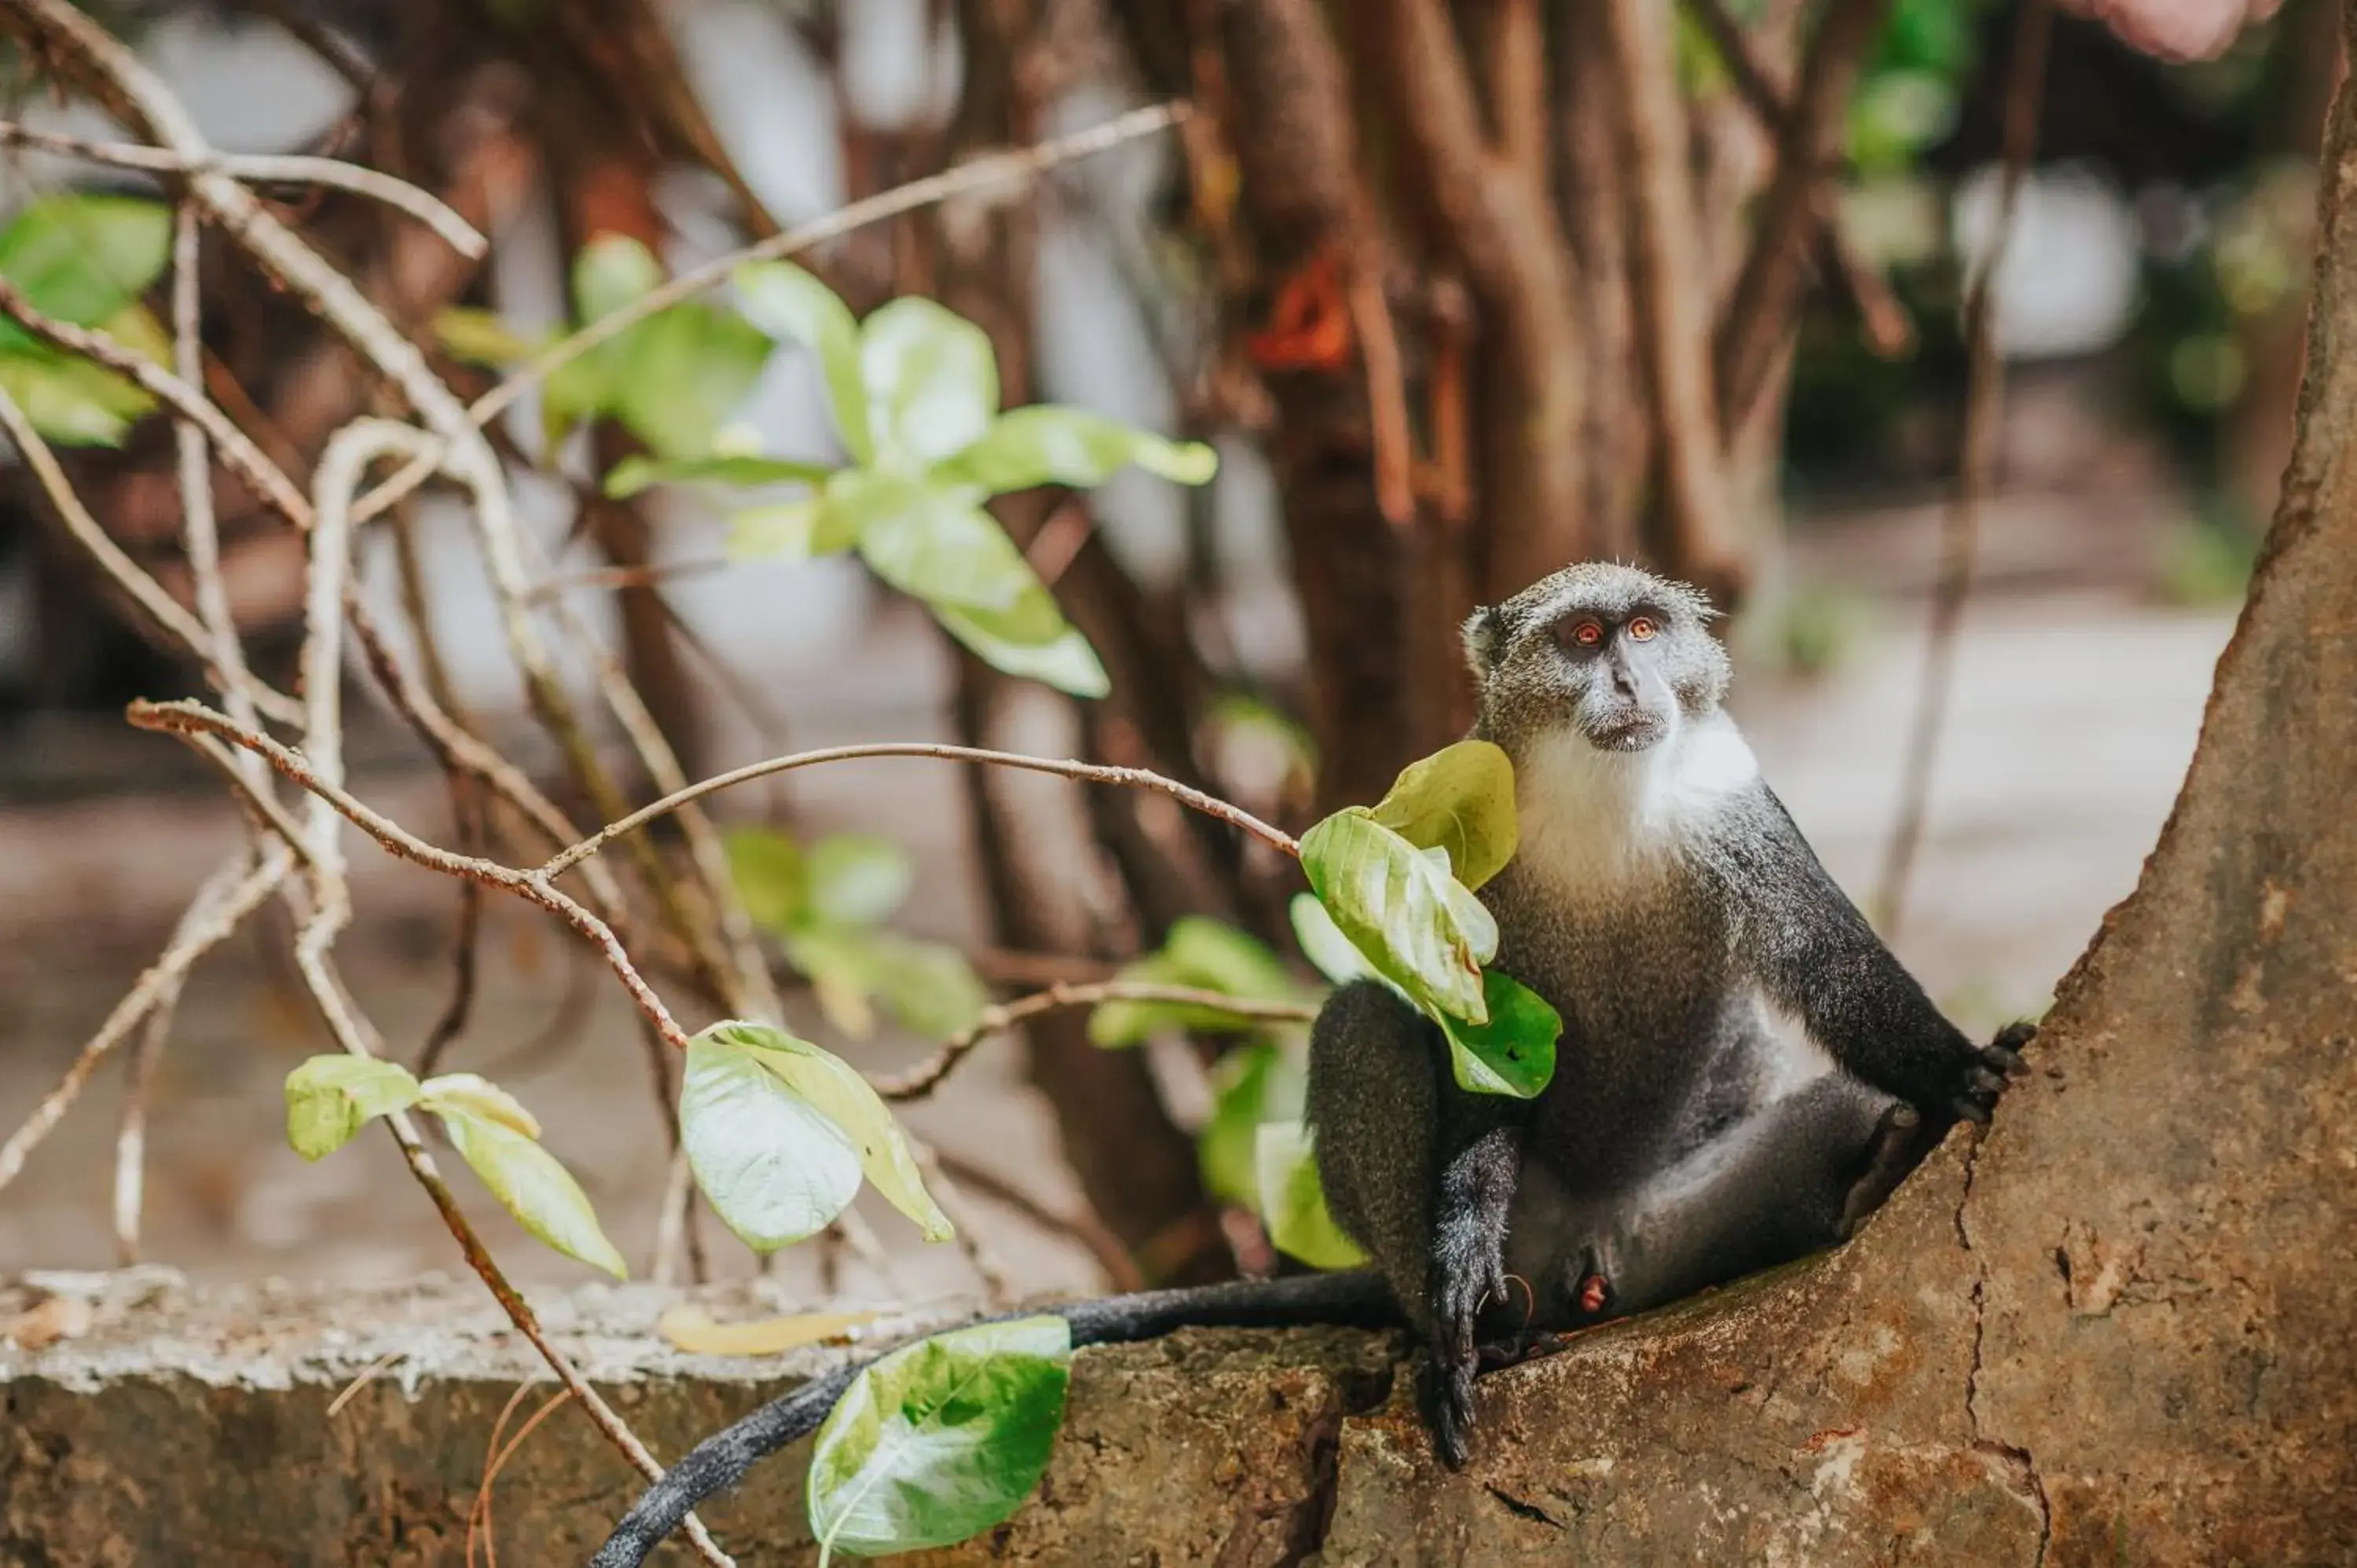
[[967, 179], [1760, 308], [268, 169], [627, 577], [1983, 400], [130, 1138], [1098, 773], [997, 1019]]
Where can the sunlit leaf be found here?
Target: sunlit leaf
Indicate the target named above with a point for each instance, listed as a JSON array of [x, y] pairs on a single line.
[[1293, 1202], [540, 1192], [939, 1439], [632, 475], [1047, 445], [772, 877], [788, 530], [824, 1080], [1206, 955], [784, 301], [1513, 1053], [685, 368], [1462, 800], [477, 336], [931, 378], [692, 1329], [1064, 661], [929, 988], [857, 879], [1399, 907], [934, 544], [775, 1168], [1250, 1085], [477, 1096], [331, 1098], [1323, 943], [82, 257], [611, 270], [71, 401]]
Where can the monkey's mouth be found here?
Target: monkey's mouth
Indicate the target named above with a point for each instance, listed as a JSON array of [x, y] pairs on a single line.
[[1635, 731]]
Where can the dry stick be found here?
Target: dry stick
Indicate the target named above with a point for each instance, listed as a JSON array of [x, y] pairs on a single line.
[[131, 1135], [231, 893], [982, 174], [926, 1076], [268, 169], [1959, 538], [110, 558], [1094, 772]]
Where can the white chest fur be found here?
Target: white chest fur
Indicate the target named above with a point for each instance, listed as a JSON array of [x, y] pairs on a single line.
[[1591, 819]]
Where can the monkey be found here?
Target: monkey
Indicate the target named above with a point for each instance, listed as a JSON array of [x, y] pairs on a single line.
[[1663, 902]]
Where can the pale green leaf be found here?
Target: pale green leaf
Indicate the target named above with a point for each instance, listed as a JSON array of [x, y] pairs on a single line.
[[71, 401], [1250, 1085], [932, 379], [1064, 661], [771, 875], [1047, 444], [632, 475], [939, 1439], [1399, 907], [540, 1192], [1323, 943], [1208, 956], [1460, 799], [1293, 1202], [857, 879], [836, 1089], [929, 988], [775, 1168], [477, 1096], [933, 543], [784, 301], [331, 1098], [683, 369], [610, 272], [477, 336], [788, 530], [82, 257], [1513, 1053]]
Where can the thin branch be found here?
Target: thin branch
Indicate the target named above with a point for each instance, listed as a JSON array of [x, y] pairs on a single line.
[[970, 178], [268, 169], [1984, 405], [176, 393], [130, 1137], [110, 557], [997, 1019], [1760, 308], [192, 718], [627, 577], [1098, 773], [1121, 1269]]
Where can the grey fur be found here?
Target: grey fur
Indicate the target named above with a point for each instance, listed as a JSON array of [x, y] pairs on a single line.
[[1661, 900]]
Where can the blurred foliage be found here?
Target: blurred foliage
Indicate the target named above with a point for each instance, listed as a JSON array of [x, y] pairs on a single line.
[[84, 260]]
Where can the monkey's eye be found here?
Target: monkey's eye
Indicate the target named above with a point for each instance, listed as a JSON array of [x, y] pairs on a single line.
[[1643, 628], [1587, 633]]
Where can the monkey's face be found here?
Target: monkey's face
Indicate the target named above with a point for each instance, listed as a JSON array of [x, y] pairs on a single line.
[[1618, 656]]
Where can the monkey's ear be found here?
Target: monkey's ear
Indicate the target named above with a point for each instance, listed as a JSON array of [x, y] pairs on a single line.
[[1485, 638]]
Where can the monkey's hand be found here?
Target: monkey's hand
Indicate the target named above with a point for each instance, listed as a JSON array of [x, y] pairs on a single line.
[[1468, 1272], [1977, 1074]]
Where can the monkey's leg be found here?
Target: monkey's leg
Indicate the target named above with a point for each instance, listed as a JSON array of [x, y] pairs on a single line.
[[1795, 1175], [1418, 1174]]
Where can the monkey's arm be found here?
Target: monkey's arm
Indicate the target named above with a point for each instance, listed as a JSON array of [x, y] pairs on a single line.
[[1359, 1299], [1817, 956]]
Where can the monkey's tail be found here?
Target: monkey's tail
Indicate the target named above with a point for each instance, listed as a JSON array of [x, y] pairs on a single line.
[[1357, 1299]]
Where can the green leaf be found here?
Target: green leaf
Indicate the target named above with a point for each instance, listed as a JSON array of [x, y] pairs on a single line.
[[929, 988], [1064, 661], [480, 338], [939, 1439], [82, 258], [857, 879], [1209, 956], [1462, 800], [1293, 1203], [790, 530], [771, 877], [933, 543], [71, 401], [784, 301], [610, 272], [632, 475], [1047, 445], [931, 378], [684, 368], [1513, 1053], [330, 1098], [536, 1189], [1250, 1085], [1323, 943], [1398, 904], [774, 1168], [827, 1083], [474, 1095]]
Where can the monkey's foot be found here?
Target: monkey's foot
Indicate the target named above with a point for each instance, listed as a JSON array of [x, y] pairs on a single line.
[[1898, 1148], [1446, 1393]]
